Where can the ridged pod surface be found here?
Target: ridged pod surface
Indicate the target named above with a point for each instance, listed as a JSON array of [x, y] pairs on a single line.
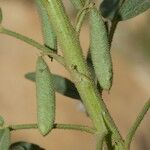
[[100, 50], [45, 97], [49, 36]]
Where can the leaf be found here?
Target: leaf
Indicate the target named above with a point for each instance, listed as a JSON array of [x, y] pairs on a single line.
[[4, 139], [1, 16], [24, 146], [132, 8], [61, 84], [108, 8]]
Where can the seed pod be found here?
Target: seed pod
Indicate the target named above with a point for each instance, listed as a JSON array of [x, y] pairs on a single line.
[[78, 4], [45, 97], [100, 50], [47, 29]]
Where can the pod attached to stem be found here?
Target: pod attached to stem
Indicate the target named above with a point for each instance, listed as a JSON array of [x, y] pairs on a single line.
[[49, 35], [100, 50], [45, 97]]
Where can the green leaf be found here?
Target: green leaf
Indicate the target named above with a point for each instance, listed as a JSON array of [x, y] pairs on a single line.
[[4, 139], [1, 16], [108, 8], [24, 146], [132, 8], [61, 84]]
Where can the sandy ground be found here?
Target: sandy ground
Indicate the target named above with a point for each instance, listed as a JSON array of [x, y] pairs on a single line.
[[130, 90]]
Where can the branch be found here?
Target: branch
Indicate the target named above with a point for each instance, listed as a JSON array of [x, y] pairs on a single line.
[[33, 43], [136, 124], [56, 126]]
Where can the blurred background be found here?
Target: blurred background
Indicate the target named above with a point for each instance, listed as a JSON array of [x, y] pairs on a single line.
[[131, 87]]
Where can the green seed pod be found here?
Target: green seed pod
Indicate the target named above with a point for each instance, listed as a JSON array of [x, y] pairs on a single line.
[[45, 97], [1, 16], [78, 4], [47, 29], [100, 50], [1, 121]]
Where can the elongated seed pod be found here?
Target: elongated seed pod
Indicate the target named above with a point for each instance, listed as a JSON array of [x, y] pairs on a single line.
[[45, 97], [100, 50], [49, 36], [78, 4]]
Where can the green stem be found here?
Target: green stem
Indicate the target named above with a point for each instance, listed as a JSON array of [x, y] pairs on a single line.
[[112, 31], [33, 43], [115, 22], [69, 42], [23, 126], [136, 124], [81, 15], [75, 127], [56, 126], [99, 140]]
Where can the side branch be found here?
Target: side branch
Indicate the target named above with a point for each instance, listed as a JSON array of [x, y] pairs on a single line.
[[136, 124], [56, 126], [33, 43]]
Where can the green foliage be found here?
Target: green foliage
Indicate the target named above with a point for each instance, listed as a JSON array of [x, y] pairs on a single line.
[[100, 51], [1, 16], [48, 33], [108, 8], [62, 85], [24, 146], [45, 97], [123, 9], [4, 139], [132, 8]]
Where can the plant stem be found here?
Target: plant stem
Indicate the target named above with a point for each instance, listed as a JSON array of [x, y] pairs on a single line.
[[81, 15], [69, 42], [136, 124], [115, 22], [23, 126], [81, 128], [33, 43], [99, 140], [75, 127], [112, 31]]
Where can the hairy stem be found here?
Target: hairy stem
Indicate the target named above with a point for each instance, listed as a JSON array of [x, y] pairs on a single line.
[[75, 62], [56, 126], [136, 124], [33, 43]]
